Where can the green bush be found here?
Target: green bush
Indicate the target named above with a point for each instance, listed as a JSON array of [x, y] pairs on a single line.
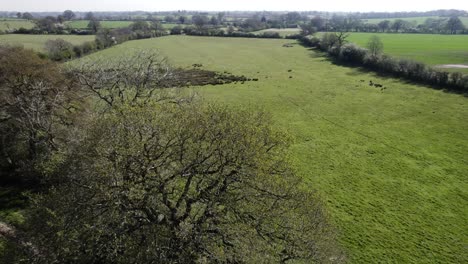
[[59, 49], [352, 53], [177, 30], [88, 47]]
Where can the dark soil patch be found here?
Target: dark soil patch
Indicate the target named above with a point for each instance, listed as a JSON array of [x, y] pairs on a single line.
[[199, 77]]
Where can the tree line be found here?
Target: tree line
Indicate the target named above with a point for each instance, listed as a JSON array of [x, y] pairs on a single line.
[[353, 22], [337, 47]]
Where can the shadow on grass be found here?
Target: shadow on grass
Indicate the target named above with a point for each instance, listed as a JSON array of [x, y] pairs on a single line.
[[359, 69]]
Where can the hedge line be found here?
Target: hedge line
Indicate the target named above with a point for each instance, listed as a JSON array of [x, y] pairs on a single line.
[[350, 53]]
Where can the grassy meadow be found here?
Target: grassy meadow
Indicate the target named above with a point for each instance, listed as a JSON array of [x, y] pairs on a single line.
[[82, 24], [37, 42], [431, 49], [390, 165], [282, 31], [12, 24]]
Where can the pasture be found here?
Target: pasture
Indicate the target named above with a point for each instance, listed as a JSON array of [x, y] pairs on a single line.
[[428, 48], [414, 20], [83, 24], [13, 24], [282, 31], [390, 164], [37, 42]]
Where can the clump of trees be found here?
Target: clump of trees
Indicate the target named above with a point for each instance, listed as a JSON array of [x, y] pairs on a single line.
[[35, 103], [150, 176], [353, 23], [59, 49]]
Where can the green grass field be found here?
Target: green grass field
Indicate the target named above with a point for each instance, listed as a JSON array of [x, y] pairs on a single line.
[[391, 166], [37, 42], [282, 31], [82, 24], [428, 48], [12, 24], [417, 20]]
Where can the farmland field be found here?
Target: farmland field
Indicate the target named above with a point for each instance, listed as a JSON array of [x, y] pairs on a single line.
[[391, 165], [428, 48], [81, 24], [37, 42], [12, 24], [282, 31], [418, 20]]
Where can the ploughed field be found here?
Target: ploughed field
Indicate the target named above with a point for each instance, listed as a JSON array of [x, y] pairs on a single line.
[[37, 42], [389, 163]]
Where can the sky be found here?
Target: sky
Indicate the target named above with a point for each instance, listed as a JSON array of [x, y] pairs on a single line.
[[231, 5]]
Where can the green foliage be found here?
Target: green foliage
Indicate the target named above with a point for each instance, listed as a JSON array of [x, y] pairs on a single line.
[[68, 14], [417, 20], [177, 30], [140, 25], [94, 25], [352, 53], [179, 183], [454, 24], [33, 95], [59, 49], [375, 45]]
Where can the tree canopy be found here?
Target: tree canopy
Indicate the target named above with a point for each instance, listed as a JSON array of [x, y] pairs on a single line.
[[149, 178]]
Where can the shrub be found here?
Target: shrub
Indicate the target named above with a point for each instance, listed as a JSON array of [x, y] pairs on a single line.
[[78, 50], [88, 47], [327, 41], [352, 53], [59, 49], [177, 30], [334, 51]]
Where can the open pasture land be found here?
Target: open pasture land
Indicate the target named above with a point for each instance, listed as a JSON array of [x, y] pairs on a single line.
[[390, 164], [13, 24], [428, 48], [282, 31], [82, 24], [417, 20], [37, 42]]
